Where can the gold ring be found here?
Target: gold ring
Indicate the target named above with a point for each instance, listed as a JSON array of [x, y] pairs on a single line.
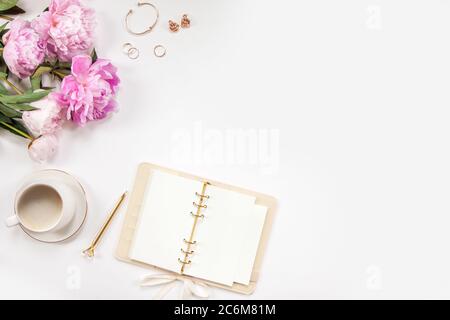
[[126, 47], [159, 51], [133, 53]]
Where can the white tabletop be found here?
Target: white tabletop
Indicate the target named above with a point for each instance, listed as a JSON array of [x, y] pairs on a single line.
[[341, 111]]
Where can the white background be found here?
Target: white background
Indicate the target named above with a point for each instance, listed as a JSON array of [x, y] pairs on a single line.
[[354, 95]]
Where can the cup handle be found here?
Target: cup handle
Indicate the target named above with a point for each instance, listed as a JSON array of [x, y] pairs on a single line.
[[12, 221]]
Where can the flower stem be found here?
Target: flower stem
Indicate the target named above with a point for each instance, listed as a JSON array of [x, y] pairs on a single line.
[[59, 74], [6, 17], [17, 90], [20, 132]]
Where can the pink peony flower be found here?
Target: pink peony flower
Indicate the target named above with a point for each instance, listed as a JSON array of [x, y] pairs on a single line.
[[24, 49], [88, 93], [68, 27], [46, 120], [43, 148]]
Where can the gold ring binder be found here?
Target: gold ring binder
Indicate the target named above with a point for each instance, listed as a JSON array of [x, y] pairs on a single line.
[[202, 196], [201, 216], [184, 263], [200, 206], [190, 242]]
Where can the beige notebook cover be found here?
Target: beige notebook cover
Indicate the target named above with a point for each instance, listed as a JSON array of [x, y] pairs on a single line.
[[144, 176]]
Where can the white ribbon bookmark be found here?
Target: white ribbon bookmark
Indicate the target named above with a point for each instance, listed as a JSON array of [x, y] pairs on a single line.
[[190, 289]]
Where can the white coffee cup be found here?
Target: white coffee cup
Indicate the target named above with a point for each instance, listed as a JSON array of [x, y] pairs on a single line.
[[43, 206]]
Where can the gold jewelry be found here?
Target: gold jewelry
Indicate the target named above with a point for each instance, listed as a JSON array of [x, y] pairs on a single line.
[[133, 53], [140, 4], [127, 47], [159, 51], [185, 22], [173, 26]]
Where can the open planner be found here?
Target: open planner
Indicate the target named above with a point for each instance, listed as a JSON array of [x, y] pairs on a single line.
[[197, 228]]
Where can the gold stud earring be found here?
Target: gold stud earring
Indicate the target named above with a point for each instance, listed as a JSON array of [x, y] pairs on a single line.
[[173, 26], [185, 22]]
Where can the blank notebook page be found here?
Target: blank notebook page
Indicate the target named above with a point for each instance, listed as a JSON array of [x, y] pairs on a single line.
[[227, 238], [164, 220]]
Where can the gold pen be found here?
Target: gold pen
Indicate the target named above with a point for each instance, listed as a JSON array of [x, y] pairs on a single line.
[[90, 252]]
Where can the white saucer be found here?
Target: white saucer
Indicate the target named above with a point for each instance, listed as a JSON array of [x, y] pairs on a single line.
[[80, 214]]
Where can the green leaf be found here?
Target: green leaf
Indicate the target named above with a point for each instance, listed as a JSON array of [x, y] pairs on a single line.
[[36, 78], [4, 126], [3, 76], [2, 33], [5, 118], [3, 26], [41, 71], [3, 66], [7, 4], [9, 112], [21, 127], [21, 107], [35, 83], [14, 10], [61, 73], [94, 56], [24, 98], [16, 128], [3, 89], [64, 65]]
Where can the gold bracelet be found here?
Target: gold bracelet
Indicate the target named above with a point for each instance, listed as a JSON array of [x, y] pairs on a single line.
[[140, 4]]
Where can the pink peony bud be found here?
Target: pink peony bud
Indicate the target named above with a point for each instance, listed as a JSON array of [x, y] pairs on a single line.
[[43, 148], [46, 120]]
